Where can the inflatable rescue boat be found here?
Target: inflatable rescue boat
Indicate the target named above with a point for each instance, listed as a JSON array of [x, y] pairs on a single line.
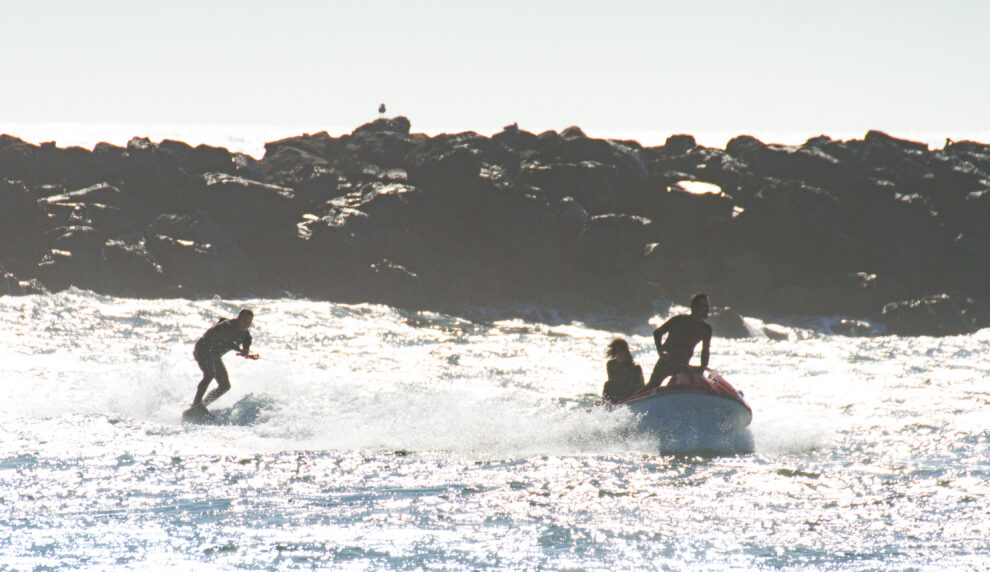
[[695, 410]]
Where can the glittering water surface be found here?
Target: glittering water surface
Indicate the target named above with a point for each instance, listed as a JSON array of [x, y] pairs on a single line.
[[377, 438]]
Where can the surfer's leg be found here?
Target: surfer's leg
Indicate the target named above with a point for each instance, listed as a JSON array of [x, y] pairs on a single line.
[[223, 383], [208, 375]]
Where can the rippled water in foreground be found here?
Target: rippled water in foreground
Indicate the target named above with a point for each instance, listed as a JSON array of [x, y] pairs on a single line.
[[376, 438]]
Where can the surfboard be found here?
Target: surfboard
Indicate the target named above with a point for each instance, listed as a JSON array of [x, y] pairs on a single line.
[[196, 414]]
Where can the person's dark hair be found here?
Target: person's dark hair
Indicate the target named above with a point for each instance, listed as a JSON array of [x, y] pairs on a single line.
[[698, 297], [245, 313], [617, 347]]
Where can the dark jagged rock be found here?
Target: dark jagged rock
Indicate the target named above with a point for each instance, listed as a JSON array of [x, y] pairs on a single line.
[[24, 227], [108, 221], [328, 262], [610, 252], [969, 152], [197, 256], [799, 234], [101, 193], [548, 144], [261, 218], [656, 265], [154, 178], [75, 260], [810, 162], [10, 285], [573, 132], [879, 139], [727, 323], [110, 160], [381, 214], [629, 165], [692, 231], [399, 125], [72, 167], [862, 293], [134, 270], [390, 283], [968, 266], [200, 159], [390, 221], [103, 207], [381, 221], [793, 299], [287, 165], [679, 144], [908, 242], [316, 145], [518, 140], [938, 315], [528, 235], [367, 154], [453, 162], [591, 184], [729, 173], [18, 160], [573, 216]]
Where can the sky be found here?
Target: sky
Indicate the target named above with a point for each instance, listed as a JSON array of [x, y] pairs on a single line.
[[618, 69]]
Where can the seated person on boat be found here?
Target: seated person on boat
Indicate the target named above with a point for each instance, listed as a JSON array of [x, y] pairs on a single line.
[[625, 377]]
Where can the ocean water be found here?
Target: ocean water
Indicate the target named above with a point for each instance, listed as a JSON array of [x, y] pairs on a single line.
[[376, 438]]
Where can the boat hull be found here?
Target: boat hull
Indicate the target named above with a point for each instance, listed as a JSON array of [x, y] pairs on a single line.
[[695, 412]]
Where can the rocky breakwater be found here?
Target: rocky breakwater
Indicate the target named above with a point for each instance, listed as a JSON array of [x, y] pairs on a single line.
[[877, 229]]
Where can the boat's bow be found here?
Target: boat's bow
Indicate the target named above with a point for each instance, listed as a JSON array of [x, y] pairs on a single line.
[[692, 405]]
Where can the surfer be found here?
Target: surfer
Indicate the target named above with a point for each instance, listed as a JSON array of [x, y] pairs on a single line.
[[625, 377], [225, 335], [683, 332]]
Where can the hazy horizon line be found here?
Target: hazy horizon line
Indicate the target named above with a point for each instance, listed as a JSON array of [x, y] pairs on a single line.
[[250, 138]]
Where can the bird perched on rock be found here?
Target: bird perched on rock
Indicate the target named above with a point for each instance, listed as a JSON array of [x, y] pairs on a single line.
[[381, 110]]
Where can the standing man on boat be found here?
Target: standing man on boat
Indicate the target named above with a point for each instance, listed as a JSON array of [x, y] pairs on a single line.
[[224, 336], [683, 332]]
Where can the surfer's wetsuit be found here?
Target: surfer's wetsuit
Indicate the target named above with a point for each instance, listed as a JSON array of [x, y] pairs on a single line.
[[218, 340], [625, 379], [683, 334]]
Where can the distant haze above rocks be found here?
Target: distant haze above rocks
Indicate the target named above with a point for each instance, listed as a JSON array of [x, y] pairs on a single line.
[[881, 229]]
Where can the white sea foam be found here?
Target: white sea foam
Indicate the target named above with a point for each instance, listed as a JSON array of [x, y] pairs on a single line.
[[372, 437]]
